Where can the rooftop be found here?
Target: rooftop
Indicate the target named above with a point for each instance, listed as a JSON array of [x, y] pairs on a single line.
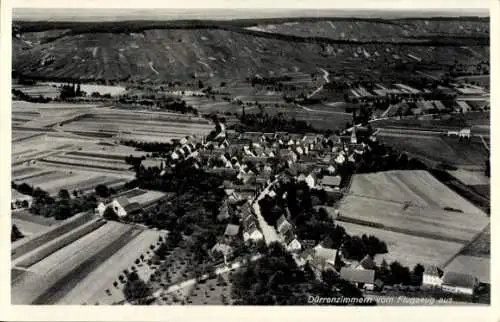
[[357, 275], [458, 279]]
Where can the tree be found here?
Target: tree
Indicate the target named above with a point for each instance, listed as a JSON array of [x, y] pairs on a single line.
[[136, 289], [15, 234], [64, 194], [102, 191], [110, 214], [417, 274]]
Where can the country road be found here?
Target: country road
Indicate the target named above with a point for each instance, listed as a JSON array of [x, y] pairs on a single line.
[[326, 77]]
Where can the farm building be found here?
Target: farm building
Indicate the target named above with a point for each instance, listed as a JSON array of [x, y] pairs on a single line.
[[225, 211], [222, 248], [432, 276], [131, 201], [330, 181], [459, 283], [18, 200], [361, 278]]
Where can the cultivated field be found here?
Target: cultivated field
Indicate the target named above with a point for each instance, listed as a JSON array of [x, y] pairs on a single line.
[[419, 188], [142, 126], [438, 149], [470, 178], [413, 220], [55, 268], [420, 219], [407, 249], [93, 288]]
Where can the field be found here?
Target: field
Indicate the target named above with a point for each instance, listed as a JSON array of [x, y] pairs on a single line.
[[407, 249], [403, 206], [142, 126], [30, 224], [45, 90], [419, 188], [470, 178], [439, 149], [62, 149], [50, 275]]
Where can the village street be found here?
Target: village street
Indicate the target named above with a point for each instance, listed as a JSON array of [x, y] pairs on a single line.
[[268, 231]]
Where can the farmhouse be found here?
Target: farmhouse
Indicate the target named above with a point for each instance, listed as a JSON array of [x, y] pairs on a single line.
[[361, 278], [459, 283], [225, 211], [432, 276], [131, 201], [252, 233], [327, 255]]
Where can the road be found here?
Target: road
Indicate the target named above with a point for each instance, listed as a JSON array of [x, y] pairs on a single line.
[[186, 283], [270, 234], [326, 77]]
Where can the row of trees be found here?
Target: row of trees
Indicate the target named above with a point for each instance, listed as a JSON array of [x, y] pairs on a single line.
[[276, 280], [263, 122]]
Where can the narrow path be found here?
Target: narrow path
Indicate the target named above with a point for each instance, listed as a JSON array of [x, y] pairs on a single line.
[[153, 69]]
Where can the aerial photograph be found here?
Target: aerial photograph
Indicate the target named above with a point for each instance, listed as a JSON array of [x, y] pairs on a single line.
[[317, 157]]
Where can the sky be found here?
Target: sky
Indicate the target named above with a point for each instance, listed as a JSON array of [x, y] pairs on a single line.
[[234, 9]]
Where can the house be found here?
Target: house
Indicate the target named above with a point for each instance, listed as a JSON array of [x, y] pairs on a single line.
[[354, 138], [131, 202], [464, 133], [432, 276], [18, 200], [330, 181], [328, 255], [459, 283], [282, 225], [253, 233], [222, 248], [367, 263], [361, 278], [291, 242], [311, 180], [225, 211], [231, 230]]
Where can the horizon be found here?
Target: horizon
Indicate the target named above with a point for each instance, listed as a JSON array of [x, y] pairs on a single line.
[[109, 14]]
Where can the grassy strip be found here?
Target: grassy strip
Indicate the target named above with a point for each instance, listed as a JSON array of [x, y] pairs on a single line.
[[28, 244], [400, 230], [60, 242]]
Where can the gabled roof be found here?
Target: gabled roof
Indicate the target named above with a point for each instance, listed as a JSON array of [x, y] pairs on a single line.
[[231, 230], [357, 275], [123, 201], [327, 254], [331, 181], [458, 279], [132, 207], [433, 270], [367, 262], [289, 237]]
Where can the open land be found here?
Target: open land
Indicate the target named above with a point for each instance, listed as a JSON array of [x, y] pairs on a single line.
[[411, 205], [56, 274]]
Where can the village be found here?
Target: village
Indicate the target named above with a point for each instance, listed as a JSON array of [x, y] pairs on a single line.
[[253, 165]]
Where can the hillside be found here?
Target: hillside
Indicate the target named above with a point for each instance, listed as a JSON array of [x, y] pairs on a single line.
[[221, 51]]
